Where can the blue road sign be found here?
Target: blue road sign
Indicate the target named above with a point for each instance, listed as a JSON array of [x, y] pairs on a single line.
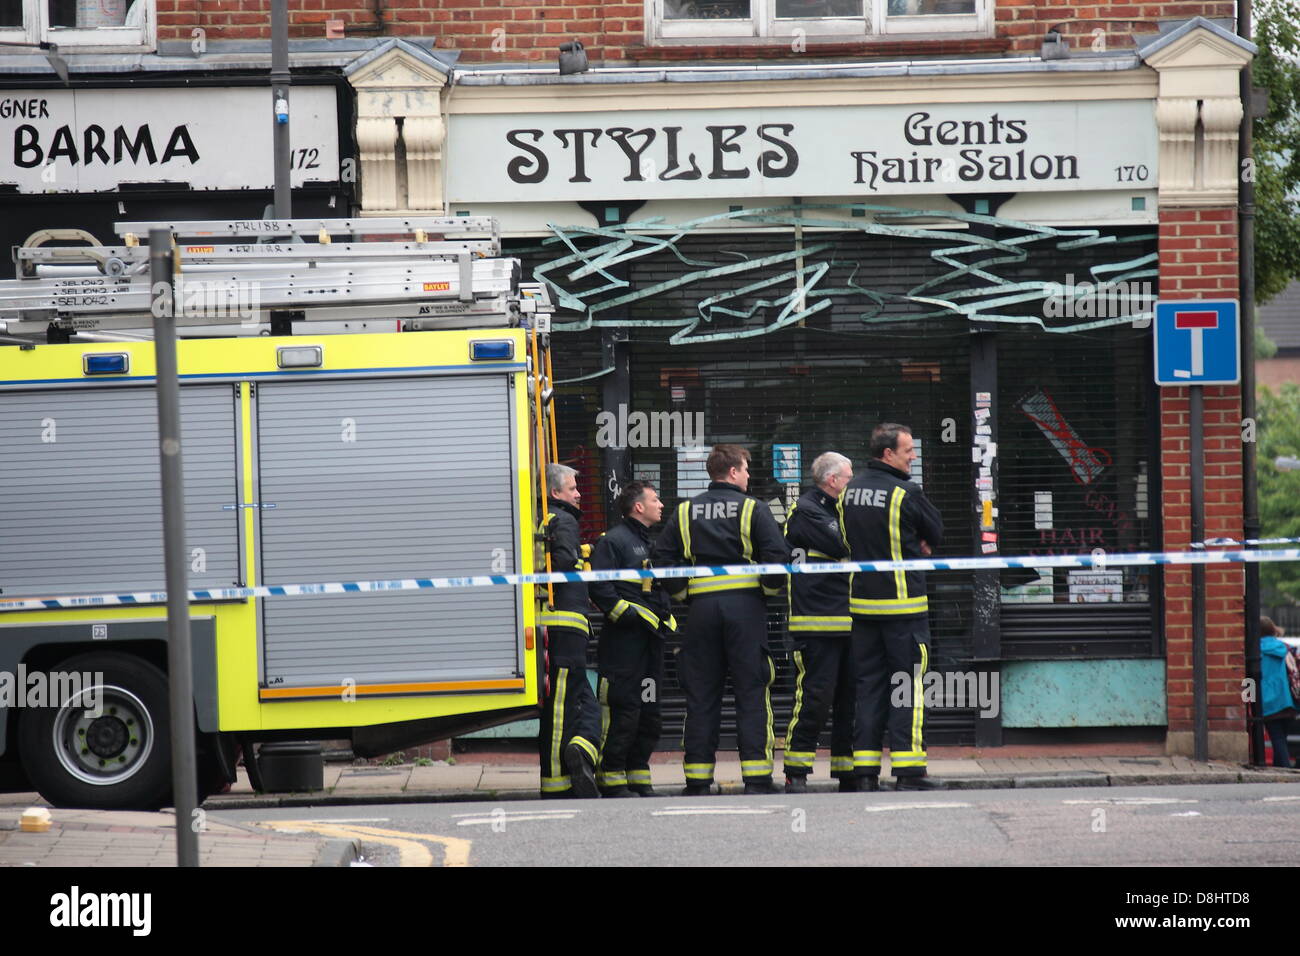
[[1198, 342]]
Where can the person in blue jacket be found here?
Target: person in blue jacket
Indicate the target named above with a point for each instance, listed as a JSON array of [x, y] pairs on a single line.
[[1276, 706]]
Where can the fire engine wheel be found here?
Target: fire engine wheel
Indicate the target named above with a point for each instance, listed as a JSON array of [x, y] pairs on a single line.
[[116, 756]]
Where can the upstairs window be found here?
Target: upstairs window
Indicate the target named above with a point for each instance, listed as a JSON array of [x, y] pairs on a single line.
[[79, 24], [757, 19]]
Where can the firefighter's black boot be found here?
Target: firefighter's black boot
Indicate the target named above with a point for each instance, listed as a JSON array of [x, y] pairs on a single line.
[[697, 790], [918, 783], [796, 783], [582, 772], [760, 785]]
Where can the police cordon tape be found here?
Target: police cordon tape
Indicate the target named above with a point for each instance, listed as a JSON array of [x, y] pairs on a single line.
[[1099, 560]]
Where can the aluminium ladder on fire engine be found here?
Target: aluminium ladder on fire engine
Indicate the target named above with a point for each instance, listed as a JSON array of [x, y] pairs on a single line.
[[436, 273]]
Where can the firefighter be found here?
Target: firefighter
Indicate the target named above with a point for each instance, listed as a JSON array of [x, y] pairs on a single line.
[[820, 627], [570, 723], [638, 616], [727, 629], [887, 517]]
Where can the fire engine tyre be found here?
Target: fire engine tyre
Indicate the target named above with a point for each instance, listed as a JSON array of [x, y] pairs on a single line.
[[118, 758]]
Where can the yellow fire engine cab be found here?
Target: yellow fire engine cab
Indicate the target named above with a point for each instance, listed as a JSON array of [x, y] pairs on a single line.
[[352, 410]]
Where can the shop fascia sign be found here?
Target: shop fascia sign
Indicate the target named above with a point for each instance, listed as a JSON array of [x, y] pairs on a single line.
[[75, 141], [816, 151]]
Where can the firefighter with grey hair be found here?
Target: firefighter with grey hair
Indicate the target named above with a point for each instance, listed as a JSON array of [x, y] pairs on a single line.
[[570, 723], [820, 629]]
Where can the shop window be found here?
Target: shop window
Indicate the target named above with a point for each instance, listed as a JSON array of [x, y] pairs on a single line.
[[759, 19], [84, 24]]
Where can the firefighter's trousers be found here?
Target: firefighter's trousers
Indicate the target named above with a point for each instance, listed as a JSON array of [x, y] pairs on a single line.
[[727, 632], [825, 683], [570, 714], [892, 655], [631, 680]]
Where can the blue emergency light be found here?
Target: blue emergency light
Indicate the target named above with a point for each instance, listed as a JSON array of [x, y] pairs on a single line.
[[483, 351], [105, 363]]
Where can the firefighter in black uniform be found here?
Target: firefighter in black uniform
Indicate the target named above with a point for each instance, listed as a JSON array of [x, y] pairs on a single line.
[[727, 629], [638, 615], [820, 626], [570, 723], [887, 517]]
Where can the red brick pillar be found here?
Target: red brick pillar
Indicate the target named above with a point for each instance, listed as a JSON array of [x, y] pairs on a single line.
[[1198, 260]]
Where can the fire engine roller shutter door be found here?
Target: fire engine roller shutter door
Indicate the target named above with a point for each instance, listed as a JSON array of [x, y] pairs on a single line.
[[81, 482], [381, 479]]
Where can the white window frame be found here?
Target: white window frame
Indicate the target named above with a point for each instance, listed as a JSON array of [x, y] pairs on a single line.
[[763, 24], [37, 28]]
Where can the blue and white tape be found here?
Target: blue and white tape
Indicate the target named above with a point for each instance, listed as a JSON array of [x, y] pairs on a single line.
[[1099, 560]]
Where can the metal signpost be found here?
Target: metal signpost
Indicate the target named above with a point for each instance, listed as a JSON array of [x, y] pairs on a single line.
[[180, 671], [1197, 344]]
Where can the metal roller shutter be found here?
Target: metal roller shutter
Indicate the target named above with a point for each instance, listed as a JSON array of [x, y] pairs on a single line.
[[81, 480], [1077, 473], [822, 386], [347, 471]]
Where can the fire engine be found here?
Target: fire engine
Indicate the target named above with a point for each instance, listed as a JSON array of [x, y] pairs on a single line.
[[362, 400]]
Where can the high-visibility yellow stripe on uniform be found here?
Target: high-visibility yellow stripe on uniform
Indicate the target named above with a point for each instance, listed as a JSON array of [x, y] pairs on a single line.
[[841, 764], [639, 778], [867, 758], [767, 699], [901, 761], [574, 619], [798, 699], [896, 540], [810, 622], [823, 555], [918, 704], [756, 768], [799, 758], [684, 528], [746, 525], [698, 771], [619, 610], [555, 784], [865, 607], [722, 582], [602, 694], [612, 778], [588, 747], [557, 716]]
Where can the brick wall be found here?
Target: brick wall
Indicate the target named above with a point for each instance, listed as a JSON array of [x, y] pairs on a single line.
[[1024, 22], [518, 30], [1198, 259]]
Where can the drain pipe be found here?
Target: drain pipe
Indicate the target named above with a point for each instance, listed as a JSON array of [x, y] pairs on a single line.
[[1249, 486]]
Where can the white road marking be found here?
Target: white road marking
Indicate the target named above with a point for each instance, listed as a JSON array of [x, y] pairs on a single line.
[[917, 806], [523, 813], [500, 818], [1187, 813], [1128, 801], [1279, 799], [711, 811]]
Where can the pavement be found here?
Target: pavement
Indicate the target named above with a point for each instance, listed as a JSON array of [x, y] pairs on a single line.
[[117, 838]]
